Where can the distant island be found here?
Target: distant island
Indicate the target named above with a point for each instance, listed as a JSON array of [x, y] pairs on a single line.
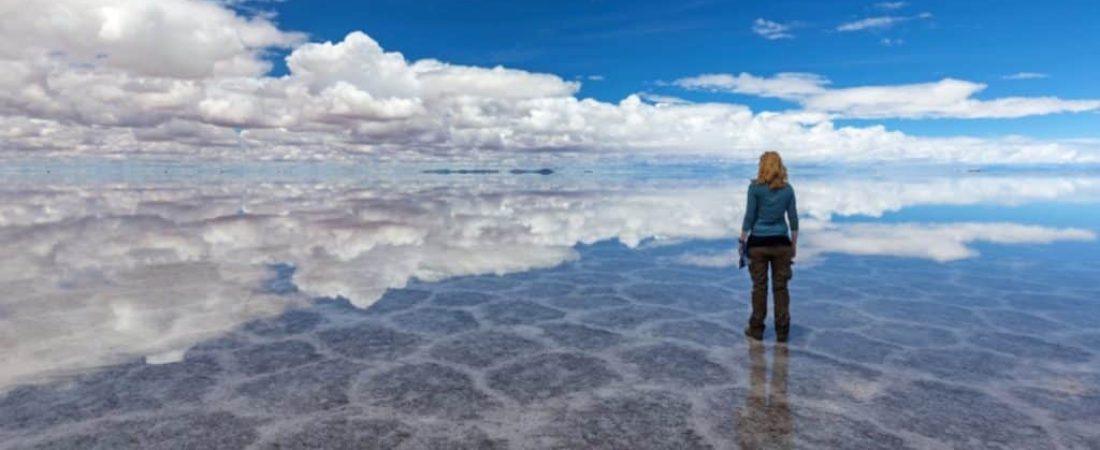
[[543, 171], [535, 171]]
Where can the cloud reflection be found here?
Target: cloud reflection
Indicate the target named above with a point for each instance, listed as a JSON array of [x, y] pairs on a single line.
[[936, 242], [98, 273]]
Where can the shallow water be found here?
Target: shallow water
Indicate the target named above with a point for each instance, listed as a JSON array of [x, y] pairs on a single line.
[[575, 310]]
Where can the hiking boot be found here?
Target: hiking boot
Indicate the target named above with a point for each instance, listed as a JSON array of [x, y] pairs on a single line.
[[756, 336]]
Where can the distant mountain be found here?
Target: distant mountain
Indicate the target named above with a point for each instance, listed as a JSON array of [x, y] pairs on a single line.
[[543, 171]]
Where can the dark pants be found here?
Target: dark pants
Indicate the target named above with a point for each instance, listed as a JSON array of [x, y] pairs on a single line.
[[778, 257]]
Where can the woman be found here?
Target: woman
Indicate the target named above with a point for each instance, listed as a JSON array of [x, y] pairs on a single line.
[[765, 232]]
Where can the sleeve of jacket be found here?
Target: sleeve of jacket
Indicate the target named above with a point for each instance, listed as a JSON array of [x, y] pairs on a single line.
[[750, 212], [792, 212]]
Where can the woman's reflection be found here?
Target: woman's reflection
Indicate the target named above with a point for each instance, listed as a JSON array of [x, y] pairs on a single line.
[[765, 420]]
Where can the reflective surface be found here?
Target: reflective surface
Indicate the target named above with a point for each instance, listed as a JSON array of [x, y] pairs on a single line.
[[574, 310]]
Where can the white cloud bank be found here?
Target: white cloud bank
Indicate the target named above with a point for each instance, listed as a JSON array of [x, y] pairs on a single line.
[[947, 98], [188, 78]]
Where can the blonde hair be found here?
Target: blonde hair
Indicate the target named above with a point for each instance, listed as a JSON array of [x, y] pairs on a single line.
[[772, 172]]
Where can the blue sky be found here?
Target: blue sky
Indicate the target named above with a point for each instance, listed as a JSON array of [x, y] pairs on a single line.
[[635, 45]]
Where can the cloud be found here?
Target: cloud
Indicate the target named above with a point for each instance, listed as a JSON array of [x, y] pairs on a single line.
[[1026, 76], [124, 79], [891, 5], [662, 99], [879, 22], [770, 30], [782, 85], [947, 98], [170, 38]]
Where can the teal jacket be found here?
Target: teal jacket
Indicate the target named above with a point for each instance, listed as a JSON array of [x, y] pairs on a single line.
[[765, 209]]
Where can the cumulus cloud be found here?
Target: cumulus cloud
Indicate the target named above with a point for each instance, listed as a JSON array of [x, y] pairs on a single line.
[[170, 38], [190, 78], [879, 22], [770, 30], [947, 98]]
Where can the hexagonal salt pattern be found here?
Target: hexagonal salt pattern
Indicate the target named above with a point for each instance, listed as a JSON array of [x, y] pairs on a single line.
[[621, 349]]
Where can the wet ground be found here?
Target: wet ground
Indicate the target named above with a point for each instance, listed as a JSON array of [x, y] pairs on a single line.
[[969, 345]]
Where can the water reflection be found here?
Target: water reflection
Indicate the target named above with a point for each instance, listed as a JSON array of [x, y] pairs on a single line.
[[765, 419], [99, 272], [593, 346]]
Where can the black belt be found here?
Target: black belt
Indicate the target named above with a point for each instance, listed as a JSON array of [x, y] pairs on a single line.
[[769, 241]]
